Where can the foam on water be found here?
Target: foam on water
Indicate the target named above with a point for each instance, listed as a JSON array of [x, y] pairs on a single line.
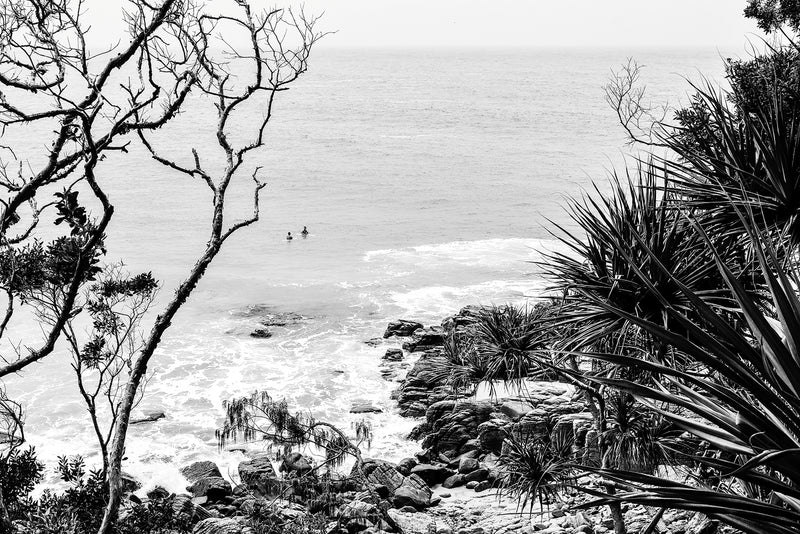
[[319, 362]]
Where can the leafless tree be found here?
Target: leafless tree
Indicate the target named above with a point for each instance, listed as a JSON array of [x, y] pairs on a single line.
[[278, 44], [642, 121]]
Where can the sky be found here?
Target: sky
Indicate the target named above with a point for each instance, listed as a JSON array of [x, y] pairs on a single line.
[[535, 23], [510, 23]]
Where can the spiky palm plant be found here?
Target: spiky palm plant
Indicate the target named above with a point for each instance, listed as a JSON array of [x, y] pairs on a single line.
[[743, 154], [498, 347], [614, 259], [741, 395], [506, 336], [636, 438], [536, 468]]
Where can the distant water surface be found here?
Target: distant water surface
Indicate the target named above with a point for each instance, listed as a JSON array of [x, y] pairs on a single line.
[[426, 179]]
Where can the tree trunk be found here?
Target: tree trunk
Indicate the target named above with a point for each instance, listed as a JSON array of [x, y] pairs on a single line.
[[6, 527], [617, 516], [117, 448]]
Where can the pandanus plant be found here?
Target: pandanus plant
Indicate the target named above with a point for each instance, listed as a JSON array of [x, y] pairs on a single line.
[[615, 260], [743, 154], [739, 392]]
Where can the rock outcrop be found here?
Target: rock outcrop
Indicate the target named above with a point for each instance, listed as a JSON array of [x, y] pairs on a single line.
[[401, 328]]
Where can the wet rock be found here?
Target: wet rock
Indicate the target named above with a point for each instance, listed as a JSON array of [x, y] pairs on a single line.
[[393, 355], [406, 465], [701, 524], [214, 489], [413, 523], [129, 483], [183, 508], [148, 417], [365, 408], [281, 319], [402, 328], [454, 423], [295, 463], [482, 486], [468, 465], [198, 470], [423, 384], [261, 333], [431, 474], [463, 320], [477, 475], [413, 492], [425, 339], [259, 476], [453, 481], [381, 473]]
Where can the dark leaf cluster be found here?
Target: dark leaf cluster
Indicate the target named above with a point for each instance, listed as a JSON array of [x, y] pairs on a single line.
[[20, 471], [71, 212], [771, 15]]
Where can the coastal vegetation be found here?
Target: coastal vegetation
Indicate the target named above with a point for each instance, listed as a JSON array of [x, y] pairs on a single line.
[[662, 372], [92, 102]]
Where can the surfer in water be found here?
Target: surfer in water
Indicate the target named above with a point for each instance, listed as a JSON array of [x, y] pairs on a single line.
[[289, 236], [304, 233]]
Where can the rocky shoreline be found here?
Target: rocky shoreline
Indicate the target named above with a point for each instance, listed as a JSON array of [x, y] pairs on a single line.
[[450, 487]]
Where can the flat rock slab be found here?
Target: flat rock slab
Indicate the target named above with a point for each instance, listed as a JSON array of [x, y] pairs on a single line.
[[261, 333], [148, 417], [365, 408], [413, 523]]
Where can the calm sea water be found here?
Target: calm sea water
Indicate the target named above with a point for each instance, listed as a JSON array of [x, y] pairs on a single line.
[[426, 179]]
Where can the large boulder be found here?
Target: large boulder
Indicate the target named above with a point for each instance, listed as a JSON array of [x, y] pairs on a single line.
[[295, 463], [491, 435], [425, 339], [393, 355], [402, 328], [413, 523], [414, 492], [214, 489], [259, 476], [468, 465], [197, 470], [423, 384], [382, 473], [215, 525], [462, 322], [431, 474], [454, 481], [365, 407], [453, 423]]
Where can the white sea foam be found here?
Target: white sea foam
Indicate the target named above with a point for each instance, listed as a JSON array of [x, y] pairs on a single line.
[[485, 252], [439, 301]]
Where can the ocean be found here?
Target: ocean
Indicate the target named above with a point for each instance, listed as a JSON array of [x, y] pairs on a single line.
[[426, 179]]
